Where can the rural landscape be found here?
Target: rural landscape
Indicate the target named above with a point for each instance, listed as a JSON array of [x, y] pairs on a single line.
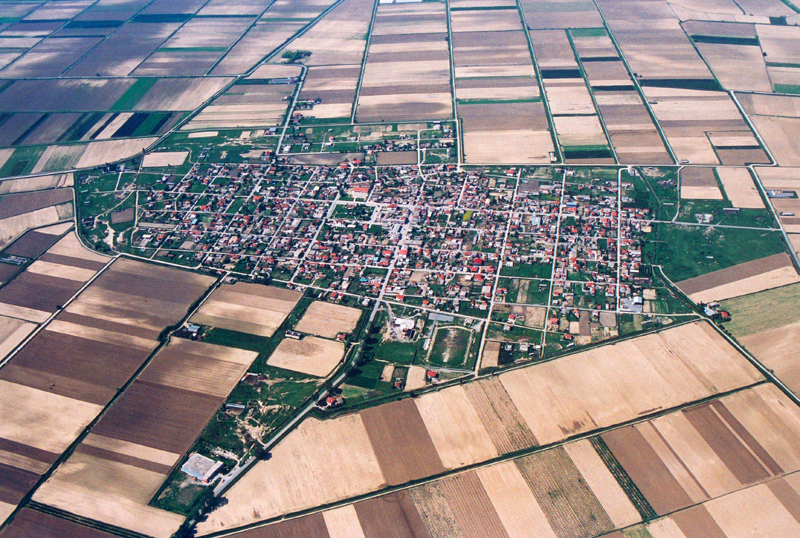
[[399, 268]]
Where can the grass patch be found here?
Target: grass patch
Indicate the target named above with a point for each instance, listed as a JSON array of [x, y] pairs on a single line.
[[689, 251], [450, 347]]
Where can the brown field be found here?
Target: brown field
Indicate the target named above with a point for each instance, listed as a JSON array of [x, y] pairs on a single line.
[[339, 38], [299, 474], [133, 293], [777, 349], [328, 320], [249, 308], [311, 355], [391, 516], [455, 428], [164, 158], [28, 523], [642, 373], [406, 453], [199, 367], [51, 280], [434, 511], [497, 413], [742, 279], [699, 183]]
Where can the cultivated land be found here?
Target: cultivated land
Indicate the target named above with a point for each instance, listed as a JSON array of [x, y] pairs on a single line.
[[417, 269]]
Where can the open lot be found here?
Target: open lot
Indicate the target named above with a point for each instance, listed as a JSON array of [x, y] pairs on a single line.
[[310, 355], [328, 320]]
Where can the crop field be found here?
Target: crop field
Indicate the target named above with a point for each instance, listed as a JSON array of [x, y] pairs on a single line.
[[709, 451], [739, 188], [768, 325], [248, 308], [542, 404], [50, 281], [497, 92], [538, 390], [65, 373], [777, 120], [415, 82], [699, 183], [245, 105], [304, 455], [132, 448]]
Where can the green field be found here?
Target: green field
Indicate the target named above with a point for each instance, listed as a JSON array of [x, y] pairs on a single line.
[[762, 311], [689, 251]]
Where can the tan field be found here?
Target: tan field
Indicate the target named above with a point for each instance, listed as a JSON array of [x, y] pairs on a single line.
[[99, 335], [111, 492], [299, 475], [58, 270], [70, 245], [579, 130], [134, 450], [112, 127], [100, 153], [202, 134], [164, 158], [640, 376], [416, 378], [765, 281], [455, 428], [697, 456], [496, 147], [36, 183], [311, 355], [514, 502], [12, 332], [328, 319], [58, 419], [753, 512], [569, 96], [602, 483], [250, 308], [700, 193], [343, 522], [740, 188], [777, 349], [491, 354], [12, 227], [781, 137]]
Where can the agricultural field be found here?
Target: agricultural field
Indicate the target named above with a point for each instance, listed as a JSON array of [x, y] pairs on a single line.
[[473, 423], [399, 269]]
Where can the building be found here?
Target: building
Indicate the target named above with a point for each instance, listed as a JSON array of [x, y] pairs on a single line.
[[201, 468]]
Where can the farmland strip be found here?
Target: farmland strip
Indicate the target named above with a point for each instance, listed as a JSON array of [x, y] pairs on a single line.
[[571, 507], [627, 484], [471, 506], [500, 416]]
